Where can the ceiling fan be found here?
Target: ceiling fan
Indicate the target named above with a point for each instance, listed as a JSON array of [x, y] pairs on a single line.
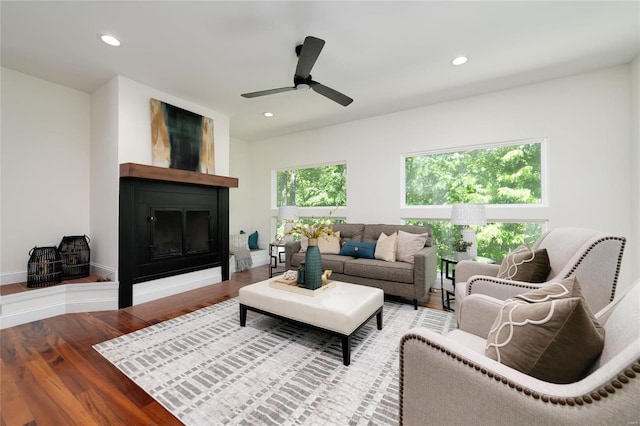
[[307, 53]]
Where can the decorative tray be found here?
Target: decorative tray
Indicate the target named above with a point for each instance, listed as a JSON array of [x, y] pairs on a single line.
[[292, 286]]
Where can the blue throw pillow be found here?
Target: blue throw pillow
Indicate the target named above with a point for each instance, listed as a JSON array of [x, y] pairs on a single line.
[[253, 241], [358, 249]]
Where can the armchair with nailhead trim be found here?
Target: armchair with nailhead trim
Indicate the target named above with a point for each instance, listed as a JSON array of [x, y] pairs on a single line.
[[449, 380], [593, 257]]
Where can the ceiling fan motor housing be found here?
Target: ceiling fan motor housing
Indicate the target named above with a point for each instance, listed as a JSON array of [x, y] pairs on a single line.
[[302, 83]]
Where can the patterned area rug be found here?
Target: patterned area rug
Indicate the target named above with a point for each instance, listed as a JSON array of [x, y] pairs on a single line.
[[207, 370]]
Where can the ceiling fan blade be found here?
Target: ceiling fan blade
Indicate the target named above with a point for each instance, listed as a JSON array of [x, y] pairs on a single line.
[[309, 53], [267, 92], [334, 95]]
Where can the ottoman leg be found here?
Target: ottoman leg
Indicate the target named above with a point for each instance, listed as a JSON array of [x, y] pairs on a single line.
[[346, 350], [243, 315], [379, 319]]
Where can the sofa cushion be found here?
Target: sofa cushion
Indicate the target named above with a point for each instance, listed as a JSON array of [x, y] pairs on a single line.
[[239, 241], [380, 270], [358, 249], [386, 247], [547, 334], [525, 264], [253, 241], [329, 244], [349, 231], [408, 245], [372, 232]]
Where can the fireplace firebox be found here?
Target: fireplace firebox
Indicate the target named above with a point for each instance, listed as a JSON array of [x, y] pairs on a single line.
[[169, 225]]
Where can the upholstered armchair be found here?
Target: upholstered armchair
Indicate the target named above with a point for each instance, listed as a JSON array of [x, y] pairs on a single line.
[[593, 257], [449, 380]]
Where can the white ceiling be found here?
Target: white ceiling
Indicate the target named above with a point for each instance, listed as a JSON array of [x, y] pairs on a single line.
[[387, 55]]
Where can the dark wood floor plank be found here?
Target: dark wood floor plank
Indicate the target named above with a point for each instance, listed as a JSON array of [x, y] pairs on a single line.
[[59, 398], [51, 375], [92, 382], [18, 364], [19, 413]]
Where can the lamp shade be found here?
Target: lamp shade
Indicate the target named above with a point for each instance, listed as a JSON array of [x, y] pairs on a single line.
[[287, 213], [468, 214]]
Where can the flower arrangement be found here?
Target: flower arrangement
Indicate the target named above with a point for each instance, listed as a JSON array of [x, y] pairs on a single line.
[[322, 228]]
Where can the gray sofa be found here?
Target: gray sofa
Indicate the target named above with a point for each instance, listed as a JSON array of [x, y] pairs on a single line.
[[403, 279]]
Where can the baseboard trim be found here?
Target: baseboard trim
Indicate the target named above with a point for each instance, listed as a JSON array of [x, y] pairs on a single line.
[[13, 277], [21, 276], [37, 304], [164, 287]]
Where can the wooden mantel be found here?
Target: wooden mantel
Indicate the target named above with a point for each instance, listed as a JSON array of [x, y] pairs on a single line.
[[142, 171]]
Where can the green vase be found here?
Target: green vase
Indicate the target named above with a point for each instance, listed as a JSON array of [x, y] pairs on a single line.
[[313, 266]]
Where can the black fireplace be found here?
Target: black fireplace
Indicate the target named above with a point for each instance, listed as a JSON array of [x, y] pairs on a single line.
[[169, 228]]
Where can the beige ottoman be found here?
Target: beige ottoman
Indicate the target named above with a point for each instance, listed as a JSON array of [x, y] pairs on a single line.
[[340, 310]]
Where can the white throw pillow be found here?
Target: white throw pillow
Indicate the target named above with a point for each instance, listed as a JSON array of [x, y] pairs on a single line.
[[329, 244], [239, 240], [408, 245], [386, 247]]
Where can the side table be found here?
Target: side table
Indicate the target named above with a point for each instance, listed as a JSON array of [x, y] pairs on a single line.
[[448, 271], [275, 259]]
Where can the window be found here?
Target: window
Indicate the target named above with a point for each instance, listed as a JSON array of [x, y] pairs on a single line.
[[322, 186], [495, 239], [501, 174]]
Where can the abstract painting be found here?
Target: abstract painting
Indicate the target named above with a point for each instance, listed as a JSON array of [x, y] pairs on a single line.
[[181, 139]]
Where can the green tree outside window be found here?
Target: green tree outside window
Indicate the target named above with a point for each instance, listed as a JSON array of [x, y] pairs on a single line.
[[497, 175], [323, 186]]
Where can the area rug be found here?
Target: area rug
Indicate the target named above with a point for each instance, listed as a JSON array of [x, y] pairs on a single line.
[[207, 370]]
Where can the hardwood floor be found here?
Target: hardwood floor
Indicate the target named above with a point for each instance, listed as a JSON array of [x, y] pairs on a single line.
[[50, 375]]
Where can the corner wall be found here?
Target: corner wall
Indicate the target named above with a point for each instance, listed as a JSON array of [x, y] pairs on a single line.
[[45, 170], [241, 198]]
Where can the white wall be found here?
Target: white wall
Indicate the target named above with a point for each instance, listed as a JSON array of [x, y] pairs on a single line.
[[134, 124], [104, 180], [633, 251], [241, 198], [586, 119], [45, 170]]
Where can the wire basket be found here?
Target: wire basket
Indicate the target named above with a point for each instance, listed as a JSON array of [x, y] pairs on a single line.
[[44, 268], [75, 255]]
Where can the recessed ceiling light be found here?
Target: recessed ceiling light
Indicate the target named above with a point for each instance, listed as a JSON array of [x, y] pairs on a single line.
[[110, 40], [267, 114], [459, 60]]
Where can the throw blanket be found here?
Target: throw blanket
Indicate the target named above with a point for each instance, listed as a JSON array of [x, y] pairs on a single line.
[[243, 258]]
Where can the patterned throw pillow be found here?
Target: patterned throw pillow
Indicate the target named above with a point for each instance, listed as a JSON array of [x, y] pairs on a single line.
[[386, 247], [549, 333], [239, 241], [408, 245], [525, 264]]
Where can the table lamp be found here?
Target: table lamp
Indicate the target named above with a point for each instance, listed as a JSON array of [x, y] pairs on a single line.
[[287, 214], [469, 214]]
